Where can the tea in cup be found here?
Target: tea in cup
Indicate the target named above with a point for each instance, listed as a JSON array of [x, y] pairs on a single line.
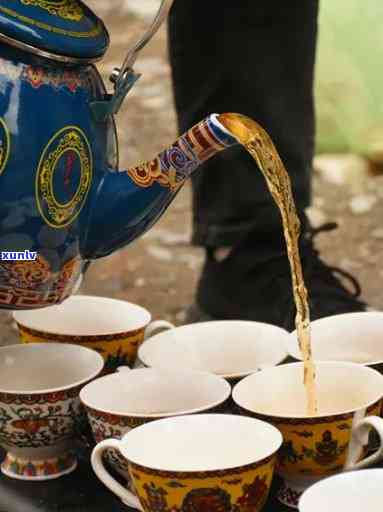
[[40, 410], [354, 491], [229, 348], [336, 440], [351, 337], [114, 328], [117, 403], [211, 462]]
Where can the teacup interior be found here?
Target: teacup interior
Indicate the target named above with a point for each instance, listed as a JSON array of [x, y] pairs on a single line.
[[352, 337], [355, 491], [46, 366], [279, 391], [227, 348], [201, 443], [83, 315], [149, 392]]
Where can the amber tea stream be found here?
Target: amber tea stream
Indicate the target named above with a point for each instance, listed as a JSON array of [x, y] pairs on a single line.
[[260, 146]]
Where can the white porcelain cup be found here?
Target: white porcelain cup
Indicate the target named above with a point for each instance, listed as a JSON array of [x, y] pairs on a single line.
[[114, 328], [229, 348], [350, 492], [211, 462], [119, 402], [336, 440], [40, 410], [351, 337]]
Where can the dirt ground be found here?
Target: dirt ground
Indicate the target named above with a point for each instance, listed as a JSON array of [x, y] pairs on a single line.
[[160, 270]]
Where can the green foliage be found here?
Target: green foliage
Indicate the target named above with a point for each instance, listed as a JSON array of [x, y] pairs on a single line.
[[349, 78]]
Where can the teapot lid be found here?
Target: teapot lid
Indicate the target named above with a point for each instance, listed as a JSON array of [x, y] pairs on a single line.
[[64, 30]]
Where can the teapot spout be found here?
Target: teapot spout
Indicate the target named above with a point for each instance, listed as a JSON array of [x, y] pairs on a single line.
[[129, 202]]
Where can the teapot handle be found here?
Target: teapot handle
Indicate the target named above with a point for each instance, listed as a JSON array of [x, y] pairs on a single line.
[[125, 77], [133, 52]]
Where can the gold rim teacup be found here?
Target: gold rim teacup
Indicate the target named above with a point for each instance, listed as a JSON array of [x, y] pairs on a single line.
[[204, 462], [40, 411], [349, 398], [114, 328]]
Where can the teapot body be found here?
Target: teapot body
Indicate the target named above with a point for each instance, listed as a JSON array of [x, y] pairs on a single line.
[[53, 156], [63, 199]]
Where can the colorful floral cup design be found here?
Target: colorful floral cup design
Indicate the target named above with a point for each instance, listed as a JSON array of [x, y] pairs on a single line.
[[229, 348], [212, 462], [351, 337], [120, 402], [354, 491], [114, 328], [349, 401], [40, 410]]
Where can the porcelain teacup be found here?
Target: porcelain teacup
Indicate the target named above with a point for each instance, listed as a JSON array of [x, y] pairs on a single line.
[[114, 328], [354, 492], [229, 348], [117, 403], [336, 440], [211, 462], [40, 410], [352, 337]]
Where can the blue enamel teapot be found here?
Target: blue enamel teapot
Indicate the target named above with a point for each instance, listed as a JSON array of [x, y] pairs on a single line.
[[63, 200]]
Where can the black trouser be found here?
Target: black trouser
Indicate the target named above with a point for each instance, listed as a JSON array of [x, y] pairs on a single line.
[[254, 57]]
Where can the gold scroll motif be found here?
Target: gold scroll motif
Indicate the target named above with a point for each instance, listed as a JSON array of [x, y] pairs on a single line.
[[65, 9], [96, 31]]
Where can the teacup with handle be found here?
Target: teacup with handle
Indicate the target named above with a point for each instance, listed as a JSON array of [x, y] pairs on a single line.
[[114, 328], [333, 441], [211, 462]]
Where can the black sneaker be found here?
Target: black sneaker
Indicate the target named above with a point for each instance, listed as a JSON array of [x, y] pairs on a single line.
[[254, 283]]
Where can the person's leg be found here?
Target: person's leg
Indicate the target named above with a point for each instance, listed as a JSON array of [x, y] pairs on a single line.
[[257, 59]]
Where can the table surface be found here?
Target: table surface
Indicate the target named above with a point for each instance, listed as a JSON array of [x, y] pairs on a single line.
[[80, 491]]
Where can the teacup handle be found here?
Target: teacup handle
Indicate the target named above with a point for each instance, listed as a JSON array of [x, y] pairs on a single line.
[[157, 325], [359, 434], [119, 490]]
